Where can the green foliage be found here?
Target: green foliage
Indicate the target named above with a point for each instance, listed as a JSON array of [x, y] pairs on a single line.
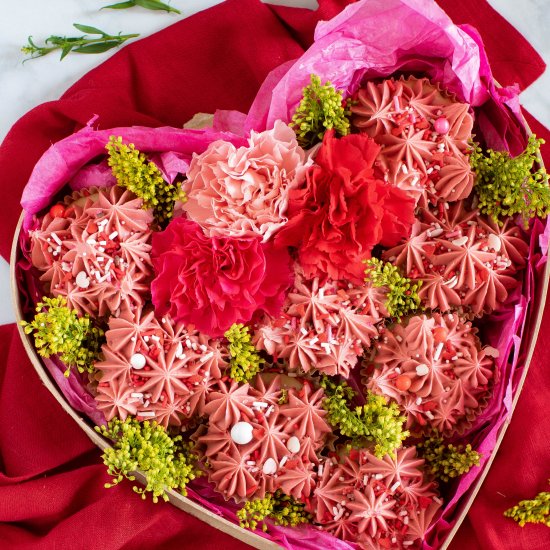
[[166, 462], [532, 511], [245, 360], [280, 508], [155, 5], [321, 108], [78, 44], [59, 330], [376, 420], [507, 185], [402, 298], [447, 461], [133, 171]]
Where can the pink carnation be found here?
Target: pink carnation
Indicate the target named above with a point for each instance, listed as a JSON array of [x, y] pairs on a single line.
[[215, 282], [244, 191]]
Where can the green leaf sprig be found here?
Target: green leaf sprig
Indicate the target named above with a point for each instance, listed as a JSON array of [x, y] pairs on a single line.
[[133, 171], [321, 108], [536, 510], [155, 5], [76, 44], [402, 297], [508, 185], [280, 508], [377, 420], [447, 461], [59, 330], [245, 360], [146, 446]]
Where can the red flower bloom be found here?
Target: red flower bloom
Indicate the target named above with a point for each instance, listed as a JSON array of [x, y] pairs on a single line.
[[342, 211], [215, 282]]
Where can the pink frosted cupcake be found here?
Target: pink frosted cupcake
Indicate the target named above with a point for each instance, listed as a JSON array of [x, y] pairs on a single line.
[[374, 502], [435, 369], [323, 327], [423, 132], [97, 254], [156, 370], [464, 259], [263, 437]]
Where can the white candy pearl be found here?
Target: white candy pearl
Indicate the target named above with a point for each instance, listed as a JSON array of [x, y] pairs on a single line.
[[270, 466], [293, 445], [138, 361], [494, 242], [241, 433], [82, 280], [422, 370]]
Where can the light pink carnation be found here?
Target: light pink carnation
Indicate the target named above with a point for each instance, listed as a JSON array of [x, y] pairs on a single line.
[[244, 191]]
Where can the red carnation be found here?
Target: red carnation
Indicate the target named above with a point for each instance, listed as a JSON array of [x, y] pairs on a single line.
[[342, 211], [215, 282]]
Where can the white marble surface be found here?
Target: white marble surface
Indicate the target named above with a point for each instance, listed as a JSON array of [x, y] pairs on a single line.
[[23, 86]]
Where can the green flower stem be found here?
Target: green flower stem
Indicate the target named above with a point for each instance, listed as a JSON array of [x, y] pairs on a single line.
[[59, 330], [447, 461], [402, 294], [321, 108], [166, 462], [245, 360], [78, 44], [155, 5], [133, 171], [536, 510], [376, 420], [507, 185], [280, 508]]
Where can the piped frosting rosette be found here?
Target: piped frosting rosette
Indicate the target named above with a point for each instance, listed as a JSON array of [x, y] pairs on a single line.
[[464, 259], [156, 370], [436, 370], [377, 502], [423, 133], [264, 436], [323, 327], [96, 255]]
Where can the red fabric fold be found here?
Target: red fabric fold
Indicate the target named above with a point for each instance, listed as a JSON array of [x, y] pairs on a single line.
[[51, 478]]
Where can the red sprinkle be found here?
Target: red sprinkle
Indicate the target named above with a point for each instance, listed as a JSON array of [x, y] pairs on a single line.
[[57, 211]]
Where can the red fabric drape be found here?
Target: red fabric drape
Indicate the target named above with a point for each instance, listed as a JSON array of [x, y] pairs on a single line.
[[51, 476]]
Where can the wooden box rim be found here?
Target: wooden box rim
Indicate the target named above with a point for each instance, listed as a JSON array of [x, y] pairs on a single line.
[[220, 523]]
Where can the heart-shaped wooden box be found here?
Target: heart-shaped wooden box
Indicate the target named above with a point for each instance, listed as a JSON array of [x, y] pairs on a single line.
[[534, 318], [531, 329]]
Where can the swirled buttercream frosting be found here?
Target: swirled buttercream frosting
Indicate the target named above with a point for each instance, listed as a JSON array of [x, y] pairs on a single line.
[[450, 375], [97, 255], [464, 259], [256, 441], [323, 327], [157, 370], [372, 501], [423, 133]]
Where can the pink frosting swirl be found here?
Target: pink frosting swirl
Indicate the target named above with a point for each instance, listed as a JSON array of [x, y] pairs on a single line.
[[285, 438], [97, 256], [424, 135], [323, 327], [371, 501], [450, 375], [462, 258], [156, 370]]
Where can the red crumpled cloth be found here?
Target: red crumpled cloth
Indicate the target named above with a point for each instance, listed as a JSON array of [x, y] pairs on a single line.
[[51, 476]]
